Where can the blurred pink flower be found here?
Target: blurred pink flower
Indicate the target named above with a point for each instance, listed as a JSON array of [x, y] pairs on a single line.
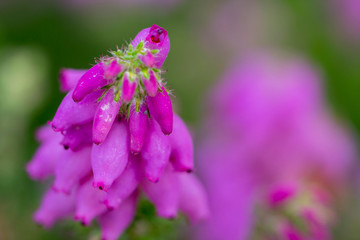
[[121, 4], [275, 158], [109, 143], [348, 14]]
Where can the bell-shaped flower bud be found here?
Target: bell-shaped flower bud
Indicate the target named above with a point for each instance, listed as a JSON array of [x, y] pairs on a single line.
[[105, 115], [164, 194], [129, 86], [91, 81], [138, 121], [71, 168], [88, 203], [193, 200], [114, 223], [160, 108], [71, 113], [77, 136], [69, 78], [154, 38], [124, 185], [150, 84], [148, 59], [155, 152], [109, 159], [112, 70], [54, 206], [182, 148], [47, 155]]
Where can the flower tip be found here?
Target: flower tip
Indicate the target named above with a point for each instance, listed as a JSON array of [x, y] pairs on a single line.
[[97, 142], [101, 185], [156, 35], [76, 96], [153, 179]]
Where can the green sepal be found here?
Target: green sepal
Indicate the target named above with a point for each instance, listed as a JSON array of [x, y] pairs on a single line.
[[145, 73]]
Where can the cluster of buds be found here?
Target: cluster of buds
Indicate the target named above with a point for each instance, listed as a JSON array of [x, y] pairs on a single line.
[[119, 137], [292, 211]]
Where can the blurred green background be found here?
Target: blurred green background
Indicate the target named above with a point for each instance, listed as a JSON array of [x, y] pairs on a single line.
[[37, 38]]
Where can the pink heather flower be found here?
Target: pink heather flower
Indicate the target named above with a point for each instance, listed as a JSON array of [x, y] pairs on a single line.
[[114, 137], [274, 150]]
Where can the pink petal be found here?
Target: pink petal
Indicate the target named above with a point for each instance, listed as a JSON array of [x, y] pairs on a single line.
[[155, 152], [150, 84], [91, 81], [182, 149], [72, 167], [77, 136], [114, 223], [46, 156], [89, 203], [148, 59], [160, 108], [125, 184], [104, 117], [128, 88], [164, 194], [138, 128], [112, 70], [71, 113], [109, 159], [54, 206], [193, 199]]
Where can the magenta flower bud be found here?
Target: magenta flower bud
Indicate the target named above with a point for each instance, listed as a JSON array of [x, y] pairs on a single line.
[[182, 148], [54, 206], [71, 168], [104, 117], [112, 70], [128, 87], [91, 81], [47, 155], [77, 136], [148, 60], [164, 194], [160, 108], [114, 223], [71, 113], [154, 38], [138, 127], [150, 84], [124, 185], [155, 152], [280, 194], [88, 203], [69, 78], [109, 159], [193, 200]]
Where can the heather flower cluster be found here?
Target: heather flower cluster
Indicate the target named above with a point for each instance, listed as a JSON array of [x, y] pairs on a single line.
[[277, 162], [114, 136]]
